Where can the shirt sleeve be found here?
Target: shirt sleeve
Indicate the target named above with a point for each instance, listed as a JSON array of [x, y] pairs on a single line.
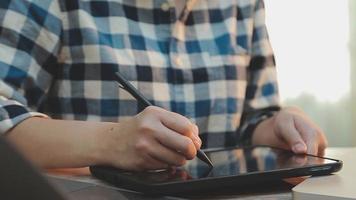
[[29, 44], [262, 96]]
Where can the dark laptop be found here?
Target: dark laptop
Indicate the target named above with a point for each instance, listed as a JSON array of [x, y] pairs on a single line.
[[20, 180]]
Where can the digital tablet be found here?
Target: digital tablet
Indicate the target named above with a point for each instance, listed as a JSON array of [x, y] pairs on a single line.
[[233, 167]]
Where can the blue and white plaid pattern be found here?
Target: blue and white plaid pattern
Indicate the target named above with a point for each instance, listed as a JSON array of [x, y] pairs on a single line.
[[212, 63]]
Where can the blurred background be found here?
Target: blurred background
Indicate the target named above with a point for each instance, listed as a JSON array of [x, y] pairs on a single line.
[[315, 48]]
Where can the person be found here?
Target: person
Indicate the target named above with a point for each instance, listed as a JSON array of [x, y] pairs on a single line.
[[207, 66]]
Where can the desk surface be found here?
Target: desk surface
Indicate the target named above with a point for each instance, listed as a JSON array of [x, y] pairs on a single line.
[[79, 184]]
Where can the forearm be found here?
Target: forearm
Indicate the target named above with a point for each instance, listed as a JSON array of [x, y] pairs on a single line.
[[59, 143], [153, 139]]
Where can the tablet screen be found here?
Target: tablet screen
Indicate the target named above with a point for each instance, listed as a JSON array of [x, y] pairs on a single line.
[[233, 162]]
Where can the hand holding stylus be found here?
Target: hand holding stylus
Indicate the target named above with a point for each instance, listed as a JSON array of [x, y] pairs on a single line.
[[155, 138]]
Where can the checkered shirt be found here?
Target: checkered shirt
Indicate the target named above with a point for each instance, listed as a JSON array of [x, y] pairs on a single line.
[[212, 63]]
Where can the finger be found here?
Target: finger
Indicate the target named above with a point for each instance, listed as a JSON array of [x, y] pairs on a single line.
[[181, 125], [166, 155], [195, 138], [312, 133], [322, 144], [309, 135], [176, 142], [321, 152], [148, 163], [155, 164], [291, 135], [176, 122], [312, 148]]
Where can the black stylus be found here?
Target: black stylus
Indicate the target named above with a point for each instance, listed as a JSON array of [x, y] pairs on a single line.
[[145, 103]]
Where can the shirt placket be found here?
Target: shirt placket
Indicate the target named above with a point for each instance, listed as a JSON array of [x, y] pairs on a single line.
[[176, 57], [178, 35]]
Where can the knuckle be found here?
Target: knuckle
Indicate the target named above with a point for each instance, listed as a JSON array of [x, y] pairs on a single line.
[[185, 145], [151, 111], [142, 146], [294, 109], [146, 127], [188, 148], [188, 128], [185, 123], [188, 132], [188, 125]]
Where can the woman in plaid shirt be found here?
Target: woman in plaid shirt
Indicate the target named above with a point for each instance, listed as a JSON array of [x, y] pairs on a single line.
[[207, 65]]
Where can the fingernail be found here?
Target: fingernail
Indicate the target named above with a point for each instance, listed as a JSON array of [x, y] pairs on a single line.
[[299, 148]]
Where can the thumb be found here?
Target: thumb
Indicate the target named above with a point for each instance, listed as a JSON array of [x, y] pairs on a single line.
[[293, 138]]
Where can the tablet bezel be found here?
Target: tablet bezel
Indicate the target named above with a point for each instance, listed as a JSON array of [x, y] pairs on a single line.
[[121, 179]]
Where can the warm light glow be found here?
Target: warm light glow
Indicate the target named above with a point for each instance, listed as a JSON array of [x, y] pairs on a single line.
[[310, 40]]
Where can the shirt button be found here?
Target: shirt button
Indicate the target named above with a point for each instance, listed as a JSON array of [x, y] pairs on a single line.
[[165, 6], [178, 61]]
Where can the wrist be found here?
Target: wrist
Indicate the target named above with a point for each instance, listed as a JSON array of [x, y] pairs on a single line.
[[248, 129], [100, 144], [262, 131]]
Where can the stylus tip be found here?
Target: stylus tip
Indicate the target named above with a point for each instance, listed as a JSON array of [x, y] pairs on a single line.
[[202, 156]]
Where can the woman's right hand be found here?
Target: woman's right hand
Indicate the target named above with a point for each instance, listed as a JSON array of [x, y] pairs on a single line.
[[153, 139]]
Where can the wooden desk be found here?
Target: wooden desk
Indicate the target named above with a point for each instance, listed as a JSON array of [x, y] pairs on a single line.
[[79, 184]]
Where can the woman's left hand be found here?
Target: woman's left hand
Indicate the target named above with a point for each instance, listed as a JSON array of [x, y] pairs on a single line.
[[291, 128]]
